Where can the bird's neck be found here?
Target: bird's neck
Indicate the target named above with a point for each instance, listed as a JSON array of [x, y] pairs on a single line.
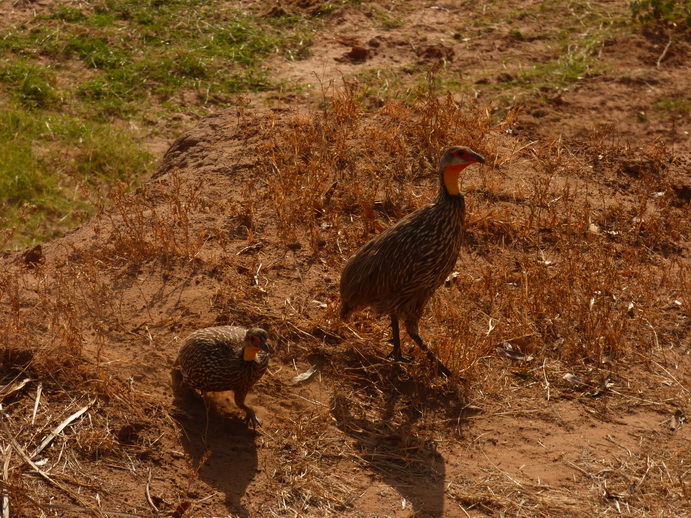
[[249, 354], [449, 179]]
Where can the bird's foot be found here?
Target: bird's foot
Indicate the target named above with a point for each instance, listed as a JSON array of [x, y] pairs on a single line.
[[252, 420], [442, 369], [398, 356]]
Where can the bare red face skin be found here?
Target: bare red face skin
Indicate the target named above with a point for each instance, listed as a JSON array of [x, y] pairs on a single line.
[[469, 157]]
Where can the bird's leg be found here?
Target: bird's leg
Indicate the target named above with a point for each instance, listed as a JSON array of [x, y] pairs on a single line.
[[250, 417], [396, 354], [412, 330], [207, 405]]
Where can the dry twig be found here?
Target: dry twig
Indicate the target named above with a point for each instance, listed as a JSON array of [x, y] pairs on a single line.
[[75, 497], [664, 52], [7, 453], [60, 428]]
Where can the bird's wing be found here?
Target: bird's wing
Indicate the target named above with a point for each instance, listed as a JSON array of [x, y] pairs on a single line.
[[392, 261]]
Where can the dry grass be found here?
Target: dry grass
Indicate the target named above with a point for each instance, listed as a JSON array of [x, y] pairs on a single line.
[[571, 257], [154, 223], [325, 169]]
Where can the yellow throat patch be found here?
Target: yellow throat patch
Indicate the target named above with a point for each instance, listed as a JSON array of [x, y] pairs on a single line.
[[451, 173], [250, 354]]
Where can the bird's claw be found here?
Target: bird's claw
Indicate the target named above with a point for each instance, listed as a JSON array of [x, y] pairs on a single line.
[[399, 357], [443, 369], [253, 420]]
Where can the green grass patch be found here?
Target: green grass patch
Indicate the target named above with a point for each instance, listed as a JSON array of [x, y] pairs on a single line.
[[47, 161], [577, 60], [27, 83], [677, 104], [674, 14], [572, 67], [386, 20], [540, 57]]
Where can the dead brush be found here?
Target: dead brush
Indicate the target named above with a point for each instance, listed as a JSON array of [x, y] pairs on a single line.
[[12, 329], [636, 483], [501, 493], [547, 283], [62, 310], [536, 271], [54, 421], [647, 176], [310, 448], [536, 275], [157, 221], [328, 167], [463, 332]]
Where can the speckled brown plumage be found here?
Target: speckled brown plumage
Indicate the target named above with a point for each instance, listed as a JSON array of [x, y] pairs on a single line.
[[217, 359], [398, 271]]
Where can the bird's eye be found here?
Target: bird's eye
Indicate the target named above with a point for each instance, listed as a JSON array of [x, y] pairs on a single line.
[[255, 340]]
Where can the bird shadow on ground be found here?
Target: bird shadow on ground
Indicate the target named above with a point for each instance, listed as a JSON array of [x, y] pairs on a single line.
[[221, 447], [387, 413], [410, 465], [417, 382]]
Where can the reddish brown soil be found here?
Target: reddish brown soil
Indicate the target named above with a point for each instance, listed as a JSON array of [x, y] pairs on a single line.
[[102, 310]]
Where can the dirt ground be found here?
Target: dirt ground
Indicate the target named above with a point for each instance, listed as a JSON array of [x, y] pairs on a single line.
[[565, 426]]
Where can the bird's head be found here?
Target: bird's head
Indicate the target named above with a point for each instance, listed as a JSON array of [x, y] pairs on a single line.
[[255, 341], [453, 161]]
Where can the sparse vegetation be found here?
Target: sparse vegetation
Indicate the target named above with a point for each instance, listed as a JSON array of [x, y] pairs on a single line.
[[567, 316], [537, 277], [671, 13], [677, 104], [49, 159], [135, 62], [387, 20]]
